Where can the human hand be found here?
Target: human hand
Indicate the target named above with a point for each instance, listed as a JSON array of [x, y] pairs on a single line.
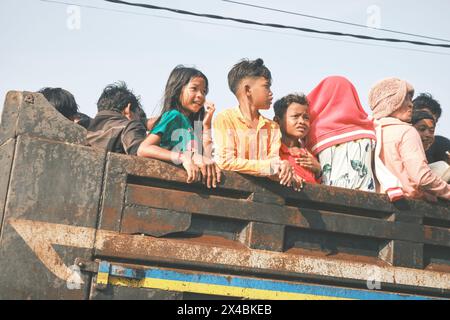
[[210, 172], [209, 112], [297, 183], [308, 161], [285, 173], [192, 170]]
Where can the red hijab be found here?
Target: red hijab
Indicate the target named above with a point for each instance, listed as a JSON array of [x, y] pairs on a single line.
[[337, 115]]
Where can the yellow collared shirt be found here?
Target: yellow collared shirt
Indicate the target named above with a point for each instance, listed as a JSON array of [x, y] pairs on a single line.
[[241, 148]]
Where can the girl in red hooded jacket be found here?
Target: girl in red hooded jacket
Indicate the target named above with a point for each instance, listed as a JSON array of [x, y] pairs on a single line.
[[342, 136]]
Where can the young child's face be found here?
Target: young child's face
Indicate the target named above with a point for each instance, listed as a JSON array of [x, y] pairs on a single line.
[[295, 123], [193, 95], [260, 93], [425, 127]]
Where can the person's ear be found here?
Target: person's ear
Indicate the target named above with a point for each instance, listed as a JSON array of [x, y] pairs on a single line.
[[247, 90], [127, 112]]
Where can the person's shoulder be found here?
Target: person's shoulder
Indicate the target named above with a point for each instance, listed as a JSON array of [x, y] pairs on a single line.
[[107, 119], [227, 113], [225, 116], [272, 124], [135, 126], [409, 132], [172, 114], [441, 140]]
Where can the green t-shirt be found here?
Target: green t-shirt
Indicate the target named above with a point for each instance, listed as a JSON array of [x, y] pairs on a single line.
[[175, 130]]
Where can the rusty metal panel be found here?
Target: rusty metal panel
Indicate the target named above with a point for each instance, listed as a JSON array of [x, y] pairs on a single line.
[[437, 236], [125, 293], [193, 253], [6, 158], [264, 236], [154, 222], [10, 114], [403, 254], [115, 182], [30, 114], [333, 196], [273, 214], [163, 171], [439, 210], [52, 182], [351, 247]]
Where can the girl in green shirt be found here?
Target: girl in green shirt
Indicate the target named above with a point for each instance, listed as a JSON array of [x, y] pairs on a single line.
[[182, 133]]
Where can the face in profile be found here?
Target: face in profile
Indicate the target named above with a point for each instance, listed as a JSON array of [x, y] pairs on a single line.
[[295, 123], [405, 112], [260, 93], [426, 128]]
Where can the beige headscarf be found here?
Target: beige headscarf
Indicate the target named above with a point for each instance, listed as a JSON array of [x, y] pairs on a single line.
[[387, 96]]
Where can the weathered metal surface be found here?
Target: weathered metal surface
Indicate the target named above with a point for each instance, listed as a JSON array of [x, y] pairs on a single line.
[[154, 222], [264, 236], [266, 198], [115, 182], [53, 182], [332, 244], [130, 293], [250, 260], [142, 167], [27, 113], [323, 196], [6, 158], [403, 254], [228, 256], [437, 236], [9, 117], [273, 214], [228, 285]]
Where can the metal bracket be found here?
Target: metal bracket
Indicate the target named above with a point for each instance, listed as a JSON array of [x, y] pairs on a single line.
[[87, 265]]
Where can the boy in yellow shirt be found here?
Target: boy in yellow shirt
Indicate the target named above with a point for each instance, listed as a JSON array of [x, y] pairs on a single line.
[[247, 142]]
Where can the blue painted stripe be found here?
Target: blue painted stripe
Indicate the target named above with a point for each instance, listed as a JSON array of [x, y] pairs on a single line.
[[270, 285], [104, 267], [127, 272]]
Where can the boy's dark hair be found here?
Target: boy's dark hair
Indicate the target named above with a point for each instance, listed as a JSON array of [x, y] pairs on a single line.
[[421, 115], [116, 97], [178, 79], [141, 116], [426, 101], [247, 69], [62, 100], [283, 104]]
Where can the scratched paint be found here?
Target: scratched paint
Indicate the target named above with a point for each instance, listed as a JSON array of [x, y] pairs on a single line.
[[40, 236]]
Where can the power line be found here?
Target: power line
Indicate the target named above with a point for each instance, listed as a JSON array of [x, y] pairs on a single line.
[[273, 25], [333, 20], [245, 28]]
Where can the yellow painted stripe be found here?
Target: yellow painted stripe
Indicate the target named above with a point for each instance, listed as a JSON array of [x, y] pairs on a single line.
[[102, 278], [211, 289]]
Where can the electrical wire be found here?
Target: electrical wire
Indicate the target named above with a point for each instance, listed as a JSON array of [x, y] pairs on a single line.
[[274, 25], [332, 20]]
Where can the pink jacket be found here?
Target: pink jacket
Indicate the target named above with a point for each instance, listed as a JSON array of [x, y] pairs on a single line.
[[403, 154]]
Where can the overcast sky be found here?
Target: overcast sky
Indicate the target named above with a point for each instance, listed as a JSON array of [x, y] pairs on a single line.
[[83, 49]]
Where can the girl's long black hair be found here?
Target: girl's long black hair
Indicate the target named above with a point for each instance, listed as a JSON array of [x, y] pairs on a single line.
[[178, 79]]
